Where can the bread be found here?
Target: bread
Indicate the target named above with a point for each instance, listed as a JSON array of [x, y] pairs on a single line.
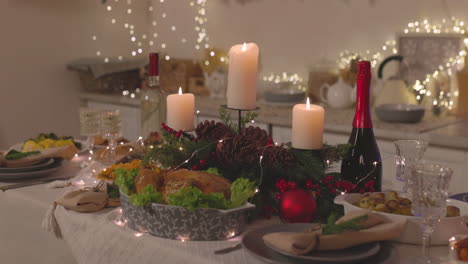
[[206, 182]]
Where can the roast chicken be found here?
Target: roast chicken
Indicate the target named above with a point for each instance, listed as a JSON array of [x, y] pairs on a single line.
[[167, 183]]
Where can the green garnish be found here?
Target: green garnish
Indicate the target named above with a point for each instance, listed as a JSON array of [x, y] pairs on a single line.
[[214, 171], [113, 191], [241, 190], [192, 198], [125, 179], [16, 155], [352, 224], [148, 195]]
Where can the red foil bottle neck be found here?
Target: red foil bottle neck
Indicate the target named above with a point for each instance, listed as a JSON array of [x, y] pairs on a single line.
[[154, 64], [362, 117]]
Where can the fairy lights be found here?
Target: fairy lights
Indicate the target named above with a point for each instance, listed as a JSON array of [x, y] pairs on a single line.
[[136, 47], [293, 78]]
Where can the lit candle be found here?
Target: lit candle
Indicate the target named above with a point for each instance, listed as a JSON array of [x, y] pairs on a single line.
[[307, 126], [181, 111], [242, 77]]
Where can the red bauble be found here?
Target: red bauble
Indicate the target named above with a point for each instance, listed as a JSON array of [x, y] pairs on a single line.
[[297, 206]]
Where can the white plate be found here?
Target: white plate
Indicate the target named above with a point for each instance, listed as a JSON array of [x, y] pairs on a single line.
[[446, 228], [253, 242], [57, 164]]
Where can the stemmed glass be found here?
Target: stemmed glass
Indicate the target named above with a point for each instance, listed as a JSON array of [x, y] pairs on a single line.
[[89, 126], [430, 184], [407, 153], [110, 126]]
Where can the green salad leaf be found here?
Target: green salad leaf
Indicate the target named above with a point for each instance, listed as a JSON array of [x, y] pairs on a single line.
[[192, 198], [148, 195], [352, 224], [241, 190], [214, 171], [125, 179], [16, 155]]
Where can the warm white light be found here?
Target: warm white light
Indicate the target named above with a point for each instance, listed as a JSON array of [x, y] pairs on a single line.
[[143, 36], [151, 43], [133, 39], [173, 28], [126, 25], [244, 47], [94, 38], [184, 40], [212, 53], [150, 8], [129, 11], [138, 234], [134, 53], [167, 57], [109, 8], [98, 53], [140, 51], [308, 103], [106, 60], [164, 15], [163, 45], [155, 35], [120, 58], [154, 23]]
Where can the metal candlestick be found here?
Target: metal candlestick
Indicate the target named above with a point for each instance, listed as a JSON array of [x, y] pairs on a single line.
[[239, 112]]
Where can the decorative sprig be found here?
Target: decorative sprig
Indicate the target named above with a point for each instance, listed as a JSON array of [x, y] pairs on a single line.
[[352, 224], [226, 118]]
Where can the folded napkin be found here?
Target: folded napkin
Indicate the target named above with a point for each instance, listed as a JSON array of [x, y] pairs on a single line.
[[376, 228]]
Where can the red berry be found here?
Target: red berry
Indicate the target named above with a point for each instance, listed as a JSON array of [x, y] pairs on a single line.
[[202, 162], [333, 190], [292, 185], [338, 184], [371, 189], [362, 190], [329, 186], [194, 167], [309, 184]]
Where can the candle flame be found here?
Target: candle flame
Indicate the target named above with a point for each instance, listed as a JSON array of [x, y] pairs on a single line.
[[308, 103], [244, 47], [180, 90]]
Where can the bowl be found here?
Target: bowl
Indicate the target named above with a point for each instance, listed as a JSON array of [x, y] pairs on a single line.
[[179, 223], [288, 95], [445, 229], [400, 113]]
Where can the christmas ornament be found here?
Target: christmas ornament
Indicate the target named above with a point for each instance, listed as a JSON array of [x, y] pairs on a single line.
[[297, 206]]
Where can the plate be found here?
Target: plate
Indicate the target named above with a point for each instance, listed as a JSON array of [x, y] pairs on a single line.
[[253, 243], [57, 164], [41, 165]]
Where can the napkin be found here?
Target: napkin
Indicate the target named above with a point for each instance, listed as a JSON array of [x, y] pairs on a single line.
[[377, 228], [84, 201]]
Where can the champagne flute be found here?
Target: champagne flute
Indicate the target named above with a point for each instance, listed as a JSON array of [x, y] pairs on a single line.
[[430, 184], [407, 153]]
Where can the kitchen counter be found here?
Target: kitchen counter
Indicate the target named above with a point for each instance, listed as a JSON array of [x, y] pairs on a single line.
[[444, 131]]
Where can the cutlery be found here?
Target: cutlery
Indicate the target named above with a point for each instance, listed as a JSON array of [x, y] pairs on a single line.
[[25, 184], [228, 249]]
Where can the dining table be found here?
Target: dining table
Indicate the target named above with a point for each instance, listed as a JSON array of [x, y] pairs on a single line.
[[101, 237]]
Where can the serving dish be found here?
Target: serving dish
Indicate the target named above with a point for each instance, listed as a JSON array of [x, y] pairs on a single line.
[[446, 228], [400, 113], [179, 223], [254, 244]]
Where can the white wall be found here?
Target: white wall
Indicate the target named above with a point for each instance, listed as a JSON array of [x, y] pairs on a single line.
[[38, 38], [294, 35]]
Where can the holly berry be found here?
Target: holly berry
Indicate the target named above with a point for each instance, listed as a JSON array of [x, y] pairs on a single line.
[[195, 167], [202, 162]]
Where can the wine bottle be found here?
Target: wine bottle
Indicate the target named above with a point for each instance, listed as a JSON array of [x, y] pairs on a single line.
[[363, 165], [153, 100]]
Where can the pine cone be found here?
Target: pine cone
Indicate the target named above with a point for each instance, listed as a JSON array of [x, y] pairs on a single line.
[[255, 135], [278, 156], [212, 131], [236, 152]]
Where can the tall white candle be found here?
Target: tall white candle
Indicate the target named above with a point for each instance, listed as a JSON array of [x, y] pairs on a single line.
[[242, 77], [181, 111], [307, 126]]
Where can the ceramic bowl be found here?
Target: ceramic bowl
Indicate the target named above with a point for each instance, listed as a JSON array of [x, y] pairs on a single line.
[[179, 223], [284, 95], [400, 113], [445, 229]]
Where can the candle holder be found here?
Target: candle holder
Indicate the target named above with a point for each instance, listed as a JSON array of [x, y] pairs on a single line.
[[239, 112]]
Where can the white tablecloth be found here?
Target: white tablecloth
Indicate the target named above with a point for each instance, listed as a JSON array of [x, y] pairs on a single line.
[[95, 238]]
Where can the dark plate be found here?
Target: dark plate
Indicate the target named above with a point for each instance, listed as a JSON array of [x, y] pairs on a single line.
[[43, 172], [39, 166], [367, 253]]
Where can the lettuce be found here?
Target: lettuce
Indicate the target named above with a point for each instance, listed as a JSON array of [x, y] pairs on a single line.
[[125, 179], [192, 198], [214, 171], [147, 196], [241, 190]]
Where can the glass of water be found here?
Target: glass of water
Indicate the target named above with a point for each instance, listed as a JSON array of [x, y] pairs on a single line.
[[408, 152]]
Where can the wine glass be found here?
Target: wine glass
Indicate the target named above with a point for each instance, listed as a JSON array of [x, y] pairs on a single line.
[[430, 184], [89, 126], [407, 153], [110, 126]]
